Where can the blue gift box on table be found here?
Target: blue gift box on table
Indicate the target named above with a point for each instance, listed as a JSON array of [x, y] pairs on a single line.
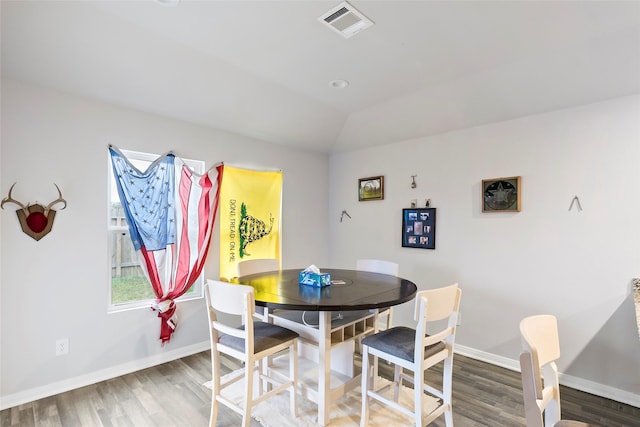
[[314, 279]]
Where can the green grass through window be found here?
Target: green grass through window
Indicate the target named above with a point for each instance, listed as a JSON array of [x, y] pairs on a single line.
[[128, 289]]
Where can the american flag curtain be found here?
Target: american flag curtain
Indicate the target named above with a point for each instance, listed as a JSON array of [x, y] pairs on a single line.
[[171, 212]]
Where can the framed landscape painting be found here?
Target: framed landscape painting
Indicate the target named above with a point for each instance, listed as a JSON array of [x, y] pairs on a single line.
[[371, 188]]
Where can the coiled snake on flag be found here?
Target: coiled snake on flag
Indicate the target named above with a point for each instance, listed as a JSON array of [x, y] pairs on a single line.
[[252, 229]]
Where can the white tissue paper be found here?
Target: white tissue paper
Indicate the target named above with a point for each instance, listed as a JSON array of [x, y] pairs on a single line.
[[312, 269], [311, 276]]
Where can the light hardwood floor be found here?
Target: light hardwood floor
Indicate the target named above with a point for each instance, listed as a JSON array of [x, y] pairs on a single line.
[[172, 394]]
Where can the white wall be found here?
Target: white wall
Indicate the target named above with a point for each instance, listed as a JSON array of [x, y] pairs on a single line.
[[58, 287], [544, 259], [576, 265]]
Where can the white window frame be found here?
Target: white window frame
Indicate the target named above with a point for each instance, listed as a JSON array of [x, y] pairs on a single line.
[[197, 292]]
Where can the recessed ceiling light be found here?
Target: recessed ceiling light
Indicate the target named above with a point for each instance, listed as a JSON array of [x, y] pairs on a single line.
[[339, 84]]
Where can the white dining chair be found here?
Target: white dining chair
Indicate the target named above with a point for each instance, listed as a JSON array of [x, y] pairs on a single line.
[[251, 343], [383, 267], [258, 265], [540, 386], [413, 351]]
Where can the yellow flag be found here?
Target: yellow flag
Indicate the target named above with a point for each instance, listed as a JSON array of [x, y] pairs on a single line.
[[250, 213]]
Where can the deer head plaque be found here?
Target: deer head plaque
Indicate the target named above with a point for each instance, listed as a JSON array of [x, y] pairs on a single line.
[[36, 220]]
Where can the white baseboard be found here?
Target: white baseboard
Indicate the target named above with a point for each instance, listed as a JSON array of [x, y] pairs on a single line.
[[30, 395], [567, 380]]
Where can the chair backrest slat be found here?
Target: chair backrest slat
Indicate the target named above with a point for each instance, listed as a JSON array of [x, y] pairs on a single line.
[[440, 303], [224, 297], [236, 300], [540, 339], [540, 333], [259, 265], [434, 305]]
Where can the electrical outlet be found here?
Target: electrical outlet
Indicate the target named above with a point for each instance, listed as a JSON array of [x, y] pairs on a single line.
[[62, 346]]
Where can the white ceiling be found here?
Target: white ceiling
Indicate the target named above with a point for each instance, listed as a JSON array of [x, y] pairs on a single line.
[[262, 68]]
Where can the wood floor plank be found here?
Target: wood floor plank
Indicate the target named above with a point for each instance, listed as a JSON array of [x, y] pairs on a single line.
[[172, 395]]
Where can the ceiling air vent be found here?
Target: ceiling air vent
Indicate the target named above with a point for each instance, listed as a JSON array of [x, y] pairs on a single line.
[[346, 20]]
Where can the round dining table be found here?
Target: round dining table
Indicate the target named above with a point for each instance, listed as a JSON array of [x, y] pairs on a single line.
[[330, 318], [349, 290]]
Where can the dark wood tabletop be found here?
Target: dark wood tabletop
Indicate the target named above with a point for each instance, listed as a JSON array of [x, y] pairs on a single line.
[[350, 290]]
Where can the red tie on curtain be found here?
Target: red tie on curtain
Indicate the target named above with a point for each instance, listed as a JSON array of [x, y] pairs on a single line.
[[171, 212]]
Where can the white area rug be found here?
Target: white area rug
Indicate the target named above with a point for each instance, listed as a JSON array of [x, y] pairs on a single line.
[[345, 412]]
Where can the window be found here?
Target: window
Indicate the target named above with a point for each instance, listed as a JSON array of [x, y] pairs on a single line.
[[129, 287]]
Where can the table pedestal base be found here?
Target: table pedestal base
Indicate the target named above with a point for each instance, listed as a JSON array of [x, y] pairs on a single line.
[[332, 336]]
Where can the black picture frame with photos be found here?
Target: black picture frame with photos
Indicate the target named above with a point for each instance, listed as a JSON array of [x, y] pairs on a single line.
[[419, 228]]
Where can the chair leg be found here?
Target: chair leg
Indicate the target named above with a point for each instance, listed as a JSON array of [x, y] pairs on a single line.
[[397, 382], [389, 317], [215, 388], [552, 412], [448, 417], [293, 376], [263, 385], [447, 379], [248, 395], [374, 375], [214, 412], [418, 387], [215, 405], [366, 382]]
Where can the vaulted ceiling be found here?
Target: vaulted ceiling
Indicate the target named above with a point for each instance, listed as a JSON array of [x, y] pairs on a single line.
[[263, 68]]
